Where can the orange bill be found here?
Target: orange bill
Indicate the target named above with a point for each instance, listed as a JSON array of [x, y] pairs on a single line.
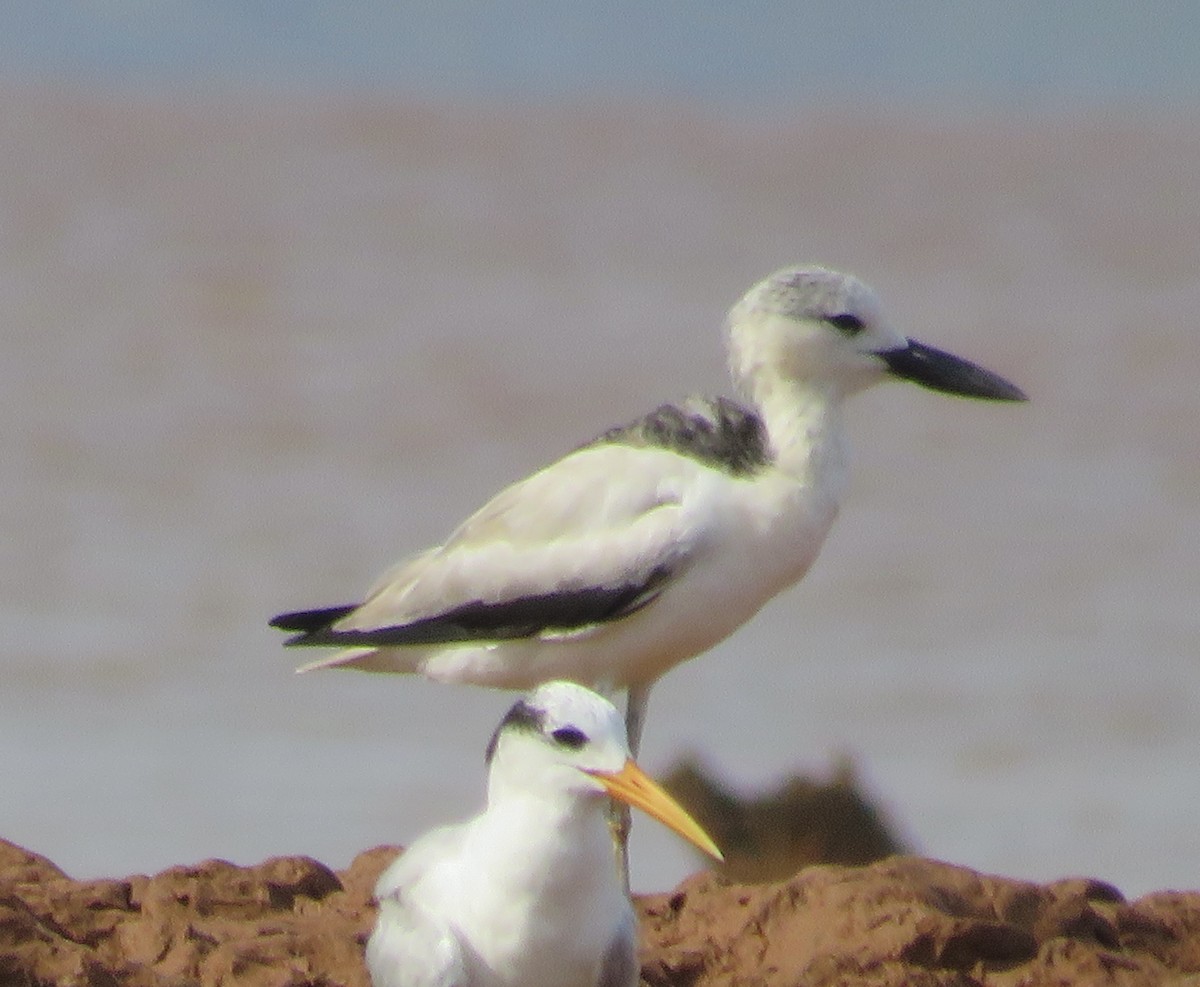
[[633, 786]]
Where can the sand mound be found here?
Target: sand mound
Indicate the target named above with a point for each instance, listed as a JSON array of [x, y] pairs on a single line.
[[291, 921]]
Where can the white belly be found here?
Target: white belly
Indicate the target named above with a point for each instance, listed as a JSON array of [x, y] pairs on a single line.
[[753, 554]]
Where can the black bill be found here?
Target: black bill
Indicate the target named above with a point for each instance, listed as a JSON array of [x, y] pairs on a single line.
[[942, 371]]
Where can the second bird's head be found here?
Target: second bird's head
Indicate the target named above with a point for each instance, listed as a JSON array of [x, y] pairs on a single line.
[[565, 741]]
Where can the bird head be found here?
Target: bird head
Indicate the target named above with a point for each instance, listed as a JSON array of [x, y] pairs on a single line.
[[565, 741], [827, 331]]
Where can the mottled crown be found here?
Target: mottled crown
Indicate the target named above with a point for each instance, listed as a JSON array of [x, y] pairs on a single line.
[[809, 293]]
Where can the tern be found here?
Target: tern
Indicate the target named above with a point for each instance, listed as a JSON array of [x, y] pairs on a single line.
[[657, 540], [527, 893]]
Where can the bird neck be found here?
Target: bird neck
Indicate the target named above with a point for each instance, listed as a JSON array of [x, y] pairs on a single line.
[[803, 421], [562, 808], [542, 900], [567, 834]]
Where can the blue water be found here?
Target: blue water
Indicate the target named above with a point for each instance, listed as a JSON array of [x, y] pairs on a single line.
[[1027, 54]]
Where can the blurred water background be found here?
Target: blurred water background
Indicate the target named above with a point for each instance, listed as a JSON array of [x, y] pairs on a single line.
[[287, 290]]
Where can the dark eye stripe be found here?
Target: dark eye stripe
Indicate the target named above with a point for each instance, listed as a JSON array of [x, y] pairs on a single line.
[[847, 322], [570, 737], [522, 716]]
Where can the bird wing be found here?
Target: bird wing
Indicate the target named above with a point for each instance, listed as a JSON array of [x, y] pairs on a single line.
[[415, 950], [591, 538], [414, 944]]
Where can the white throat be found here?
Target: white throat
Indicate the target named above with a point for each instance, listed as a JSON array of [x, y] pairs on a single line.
[[804, 431]]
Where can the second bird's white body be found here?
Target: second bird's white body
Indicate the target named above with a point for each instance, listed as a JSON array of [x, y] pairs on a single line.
[[550, 912], [527, 893]]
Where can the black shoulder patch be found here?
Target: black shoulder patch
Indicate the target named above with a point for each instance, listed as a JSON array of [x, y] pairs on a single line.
[[718, 432], [522, 716]]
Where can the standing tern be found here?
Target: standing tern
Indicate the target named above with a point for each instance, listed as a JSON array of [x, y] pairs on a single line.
[[657, 540], [527, 893]]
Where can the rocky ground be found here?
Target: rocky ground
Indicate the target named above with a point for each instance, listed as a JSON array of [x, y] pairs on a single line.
[[291, 921]]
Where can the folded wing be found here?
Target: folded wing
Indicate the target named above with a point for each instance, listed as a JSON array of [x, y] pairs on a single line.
[[562, 550]]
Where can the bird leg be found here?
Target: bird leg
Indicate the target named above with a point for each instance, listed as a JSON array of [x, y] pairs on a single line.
[[619, 823], [636, 704], [620, 819]]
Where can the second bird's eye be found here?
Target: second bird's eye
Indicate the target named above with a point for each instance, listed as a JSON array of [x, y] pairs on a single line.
[[847, 322], [570, 737]]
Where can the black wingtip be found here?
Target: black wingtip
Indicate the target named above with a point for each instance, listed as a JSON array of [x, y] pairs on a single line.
[[304, 622]]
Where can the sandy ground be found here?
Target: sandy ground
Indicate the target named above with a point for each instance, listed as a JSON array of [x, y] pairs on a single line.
[[292, 922]]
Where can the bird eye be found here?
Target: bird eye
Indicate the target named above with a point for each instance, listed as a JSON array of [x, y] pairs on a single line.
[[847, 322], [570, 737]]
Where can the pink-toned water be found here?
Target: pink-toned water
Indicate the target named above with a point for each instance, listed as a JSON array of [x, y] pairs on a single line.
[[254, 351]]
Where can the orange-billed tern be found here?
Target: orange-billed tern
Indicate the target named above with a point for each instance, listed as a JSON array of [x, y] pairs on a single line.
[[527, 893], [657, 540]]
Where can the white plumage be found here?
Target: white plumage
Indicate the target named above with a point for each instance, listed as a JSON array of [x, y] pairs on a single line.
[[527, 893], [653, 543]]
